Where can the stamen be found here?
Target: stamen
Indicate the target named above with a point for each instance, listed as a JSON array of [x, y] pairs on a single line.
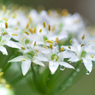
[[15, 28], [23, 59], [53, 28], [92, 56], [49, 27], [62, 49], [1, 73], [35, 30], [82, 45], [5, 19], [57, 40], [35, 43], [83, 37], [40, 30], [14, 15], [18, 23], [14, 34], [69, 47], [71, 41], [4, 33], [23, 38], [6, 25], [7, 86], [23, 48], [44, 24], [65, 12], [50, 46], [36, 50], [4, 8], [26, 32], [27, 26], [48, 41], [30, 19], [45, 47], [31, 30]]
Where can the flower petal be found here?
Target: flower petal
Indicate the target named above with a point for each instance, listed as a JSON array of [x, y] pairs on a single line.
[[25, 66], [53, 66], [88, 64], [3, 50]]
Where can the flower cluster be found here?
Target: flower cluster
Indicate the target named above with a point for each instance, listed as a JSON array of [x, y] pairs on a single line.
[[46, 39]]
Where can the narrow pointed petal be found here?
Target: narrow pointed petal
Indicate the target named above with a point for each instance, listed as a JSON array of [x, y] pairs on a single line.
[[38, 62], [66, 65], [19, 58], [25, 66], [53, 66], [3, 50], [87, 64]]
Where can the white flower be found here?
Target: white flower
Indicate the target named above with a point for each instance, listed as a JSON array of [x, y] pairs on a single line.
[[79, 52], [55, 58]]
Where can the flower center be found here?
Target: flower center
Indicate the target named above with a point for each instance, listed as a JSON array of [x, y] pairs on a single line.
[[54, 57], [83, 53]]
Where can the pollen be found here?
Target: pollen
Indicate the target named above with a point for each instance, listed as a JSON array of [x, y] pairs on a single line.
[[31, 30], [49, 27], [83, 37], [35, 43], [48, 41], [4, 33], [69, 47], [14, 34], [1, 73], [62, 49], [5, 19], [40, 30], [92, 56], [4, 8], [23, 59], [71, 41], [26, 32], [50, 46], [82, 45], [27, 26], [44, 24], [45, 47], [36, 50], [6, 25], [23, 48], [57, 40]]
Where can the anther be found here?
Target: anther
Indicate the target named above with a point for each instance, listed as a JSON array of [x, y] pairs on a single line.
[[6, 25], [40, 30], [71, 41], [4, 8], [83, 37], [62, 49], [5, 19], [82, 45], [23, 48], [57, 40], [49, 27], [26, 32], [35, 30], [4, 33], [31, 30], [48, 41], [35, 43], [14, 34], [44, 24], [69, 47], [27, 26], [50, 46], [92, 56]]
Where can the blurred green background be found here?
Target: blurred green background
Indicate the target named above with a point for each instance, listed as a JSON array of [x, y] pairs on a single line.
[[86, 85]]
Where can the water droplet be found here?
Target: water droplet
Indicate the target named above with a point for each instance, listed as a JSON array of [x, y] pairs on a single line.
[[78, 70], [62, 68], [75, 73], [87, 72], [69, 82]]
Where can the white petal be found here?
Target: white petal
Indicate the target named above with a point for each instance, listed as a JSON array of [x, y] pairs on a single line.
[[3, 50], [25, 66], [13, 44], [53, 66], [42, 58], [66, 65], [88, 64], [38, 62], [19, 58]]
